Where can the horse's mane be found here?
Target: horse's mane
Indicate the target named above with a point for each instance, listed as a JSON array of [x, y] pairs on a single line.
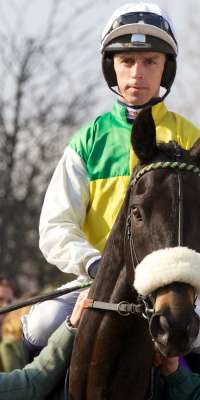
[[172, 150]]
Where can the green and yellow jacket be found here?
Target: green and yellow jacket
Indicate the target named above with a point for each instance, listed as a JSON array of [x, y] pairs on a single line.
[[90, 182]]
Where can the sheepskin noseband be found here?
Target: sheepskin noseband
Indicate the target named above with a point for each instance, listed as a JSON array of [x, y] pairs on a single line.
[[162, 267]]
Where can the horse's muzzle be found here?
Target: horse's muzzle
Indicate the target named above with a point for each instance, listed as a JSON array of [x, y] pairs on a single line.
[[174, 336]]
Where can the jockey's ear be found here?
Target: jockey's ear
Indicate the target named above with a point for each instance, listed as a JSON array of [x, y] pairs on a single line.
[[195, 152], [143, 136]]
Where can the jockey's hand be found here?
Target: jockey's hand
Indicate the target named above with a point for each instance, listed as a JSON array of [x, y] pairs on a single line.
[[78, 308], [93, 268], [166, 365]]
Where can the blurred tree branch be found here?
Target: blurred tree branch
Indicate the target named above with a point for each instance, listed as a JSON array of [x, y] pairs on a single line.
[[40, 106]]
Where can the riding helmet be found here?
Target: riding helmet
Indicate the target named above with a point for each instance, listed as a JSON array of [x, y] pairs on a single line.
[[139, 27]]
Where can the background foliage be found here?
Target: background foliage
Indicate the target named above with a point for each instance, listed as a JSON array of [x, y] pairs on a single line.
[[50, 84]]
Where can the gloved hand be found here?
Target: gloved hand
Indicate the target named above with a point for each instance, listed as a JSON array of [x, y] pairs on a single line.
[[93, 267]]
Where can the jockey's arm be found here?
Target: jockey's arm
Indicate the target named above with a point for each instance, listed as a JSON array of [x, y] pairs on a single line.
[[63, 214]]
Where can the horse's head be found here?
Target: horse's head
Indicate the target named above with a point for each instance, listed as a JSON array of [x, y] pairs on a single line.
[[164, 221], [168, 280]]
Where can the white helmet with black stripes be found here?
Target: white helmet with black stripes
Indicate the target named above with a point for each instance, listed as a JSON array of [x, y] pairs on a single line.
[[139, 27]]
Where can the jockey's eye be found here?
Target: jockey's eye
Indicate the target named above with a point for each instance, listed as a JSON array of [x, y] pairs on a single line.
[[136, 214]]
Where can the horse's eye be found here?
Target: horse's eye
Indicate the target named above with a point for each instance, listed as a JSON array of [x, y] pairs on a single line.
[[136, 214]]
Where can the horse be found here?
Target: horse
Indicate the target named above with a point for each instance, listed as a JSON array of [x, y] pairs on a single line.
[[153, 247]]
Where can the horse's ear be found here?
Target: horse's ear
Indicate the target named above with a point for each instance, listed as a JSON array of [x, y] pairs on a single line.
[[195, 152], [143, 137]]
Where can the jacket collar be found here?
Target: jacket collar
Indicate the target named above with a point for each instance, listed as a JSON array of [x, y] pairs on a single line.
[[119, 113]]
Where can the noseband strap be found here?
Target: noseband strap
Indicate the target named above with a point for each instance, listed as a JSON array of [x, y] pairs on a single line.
[[123, 308]]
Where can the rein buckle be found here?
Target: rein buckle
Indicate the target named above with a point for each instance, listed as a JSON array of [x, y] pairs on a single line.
[[122, 308]]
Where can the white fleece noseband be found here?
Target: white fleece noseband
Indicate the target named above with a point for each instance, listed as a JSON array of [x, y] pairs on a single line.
[[162, 267]]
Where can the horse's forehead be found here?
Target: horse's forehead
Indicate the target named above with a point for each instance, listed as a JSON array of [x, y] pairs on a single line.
[[149, 182]]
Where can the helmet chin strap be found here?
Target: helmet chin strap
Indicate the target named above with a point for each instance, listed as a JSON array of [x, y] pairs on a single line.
[[150, 103]]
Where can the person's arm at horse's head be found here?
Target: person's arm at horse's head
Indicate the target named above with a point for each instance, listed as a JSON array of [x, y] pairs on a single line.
[[179, 383], [167, 366], [40, 377]]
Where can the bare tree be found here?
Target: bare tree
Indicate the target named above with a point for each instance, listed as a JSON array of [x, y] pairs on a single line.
[[39, 107]]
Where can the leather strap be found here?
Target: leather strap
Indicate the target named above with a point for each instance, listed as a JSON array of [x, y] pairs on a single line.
[[123, 308]]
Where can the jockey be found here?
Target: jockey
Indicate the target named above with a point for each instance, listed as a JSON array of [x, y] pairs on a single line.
[[139, 58]]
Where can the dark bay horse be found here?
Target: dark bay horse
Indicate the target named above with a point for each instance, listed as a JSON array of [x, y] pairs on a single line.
[[113, 354]]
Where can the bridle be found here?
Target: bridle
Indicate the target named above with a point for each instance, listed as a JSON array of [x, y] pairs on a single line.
[[144, 305], [179, 167], [173, 165]]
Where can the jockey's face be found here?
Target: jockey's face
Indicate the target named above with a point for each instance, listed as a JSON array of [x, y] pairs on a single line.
[[139, 75]]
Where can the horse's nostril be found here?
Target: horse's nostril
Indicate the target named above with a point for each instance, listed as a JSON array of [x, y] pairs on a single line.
[[164, 325], [159, 326]]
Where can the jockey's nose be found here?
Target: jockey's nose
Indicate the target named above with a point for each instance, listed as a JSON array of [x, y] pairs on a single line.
[[137, 70]]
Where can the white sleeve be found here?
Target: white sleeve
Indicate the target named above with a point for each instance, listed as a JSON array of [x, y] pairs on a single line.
[[63, 214]]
